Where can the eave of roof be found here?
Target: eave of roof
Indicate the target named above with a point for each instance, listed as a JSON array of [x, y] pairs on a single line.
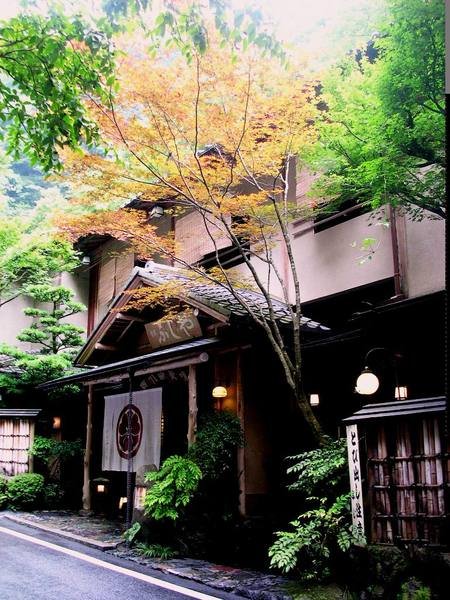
[[398, 408], [153, 358], [19, 413]]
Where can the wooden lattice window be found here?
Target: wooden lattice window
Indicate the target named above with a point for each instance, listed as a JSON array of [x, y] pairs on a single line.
[[406, 480]]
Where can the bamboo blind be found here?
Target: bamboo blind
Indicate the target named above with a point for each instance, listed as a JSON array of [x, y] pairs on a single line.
[[406, 481], [15, 437]]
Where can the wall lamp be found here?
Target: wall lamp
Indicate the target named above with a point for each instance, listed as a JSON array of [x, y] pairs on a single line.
[[314, 399], [156, 212], [219, 392], [368, 383]]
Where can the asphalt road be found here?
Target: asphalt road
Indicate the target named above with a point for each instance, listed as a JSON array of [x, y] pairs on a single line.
[[41, 566]]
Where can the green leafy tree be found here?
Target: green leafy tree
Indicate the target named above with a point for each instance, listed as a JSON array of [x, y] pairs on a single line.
[[29, 257], [382, 126], [56, 339], [184, 25], [48, 64], [49, 329]]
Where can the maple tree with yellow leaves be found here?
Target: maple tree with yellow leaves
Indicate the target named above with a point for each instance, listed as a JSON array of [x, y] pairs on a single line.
[[213, 135]]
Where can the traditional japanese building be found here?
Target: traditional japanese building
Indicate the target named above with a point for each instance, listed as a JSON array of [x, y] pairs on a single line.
[[172, 370]]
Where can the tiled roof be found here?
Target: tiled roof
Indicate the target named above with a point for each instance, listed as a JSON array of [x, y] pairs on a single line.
[[7, 365], [398, 408], [221, 299]]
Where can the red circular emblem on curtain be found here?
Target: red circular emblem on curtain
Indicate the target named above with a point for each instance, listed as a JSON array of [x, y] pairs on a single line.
[[128, 444]]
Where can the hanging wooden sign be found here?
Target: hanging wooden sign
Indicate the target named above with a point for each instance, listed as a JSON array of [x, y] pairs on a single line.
[[164, 333]]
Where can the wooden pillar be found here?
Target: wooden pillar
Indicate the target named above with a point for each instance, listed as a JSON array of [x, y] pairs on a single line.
[[31, 440], [87, 454], [241, 451], [192, 418]]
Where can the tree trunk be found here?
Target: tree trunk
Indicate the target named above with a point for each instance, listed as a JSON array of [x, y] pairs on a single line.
[[310, 418]]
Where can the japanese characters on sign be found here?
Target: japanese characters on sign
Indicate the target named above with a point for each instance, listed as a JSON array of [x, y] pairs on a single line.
[[355, 482], [164, 333]]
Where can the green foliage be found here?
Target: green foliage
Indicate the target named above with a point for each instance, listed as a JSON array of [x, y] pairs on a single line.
[[156, 551], [413, 590], [57, 340], [25, 490], [382, 124], [320, 471], [219, 434], [130, 534], [185, 28], [52, 496], [3, 492], [48, 65], [29, 255], [48, 329], [308, 546], [317, 534], [33, 369], [48, 449], [173, 487]]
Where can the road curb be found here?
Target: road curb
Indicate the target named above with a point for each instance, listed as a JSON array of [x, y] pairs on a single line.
[[65, 534]]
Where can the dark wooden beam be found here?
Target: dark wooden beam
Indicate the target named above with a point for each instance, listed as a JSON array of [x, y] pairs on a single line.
[[125, 317]]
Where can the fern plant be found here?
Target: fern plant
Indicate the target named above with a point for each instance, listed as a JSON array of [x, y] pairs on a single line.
[[326, 528], [173, 487], [156, 551], [129, 535]]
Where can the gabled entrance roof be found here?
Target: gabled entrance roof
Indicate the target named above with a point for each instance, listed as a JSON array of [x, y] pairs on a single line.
[[212, 299]]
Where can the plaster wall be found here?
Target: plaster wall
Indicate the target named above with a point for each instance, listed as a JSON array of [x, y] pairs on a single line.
[[12, 321], [78, 282], [423, 245], [332, 260], [329, 262]]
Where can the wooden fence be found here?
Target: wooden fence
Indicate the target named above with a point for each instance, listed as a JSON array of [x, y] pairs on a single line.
[[406, 480], [16, 437]]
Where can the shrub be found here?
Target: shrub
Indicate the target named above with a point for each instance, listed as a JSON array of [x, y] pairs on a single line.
[[173, 487], [25, 490], [219, 434], [3, 492], [47, 449], [52, 495], [156, 551], [308, 546], [317, 534]]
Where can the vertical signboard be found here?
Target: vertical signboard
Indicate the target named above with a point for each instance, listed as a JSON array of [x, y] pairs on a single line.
[[355, 482]]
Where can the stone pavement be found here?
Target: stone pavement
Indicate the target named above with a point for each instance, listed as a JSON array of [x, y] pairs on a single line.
[[99, 532]]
